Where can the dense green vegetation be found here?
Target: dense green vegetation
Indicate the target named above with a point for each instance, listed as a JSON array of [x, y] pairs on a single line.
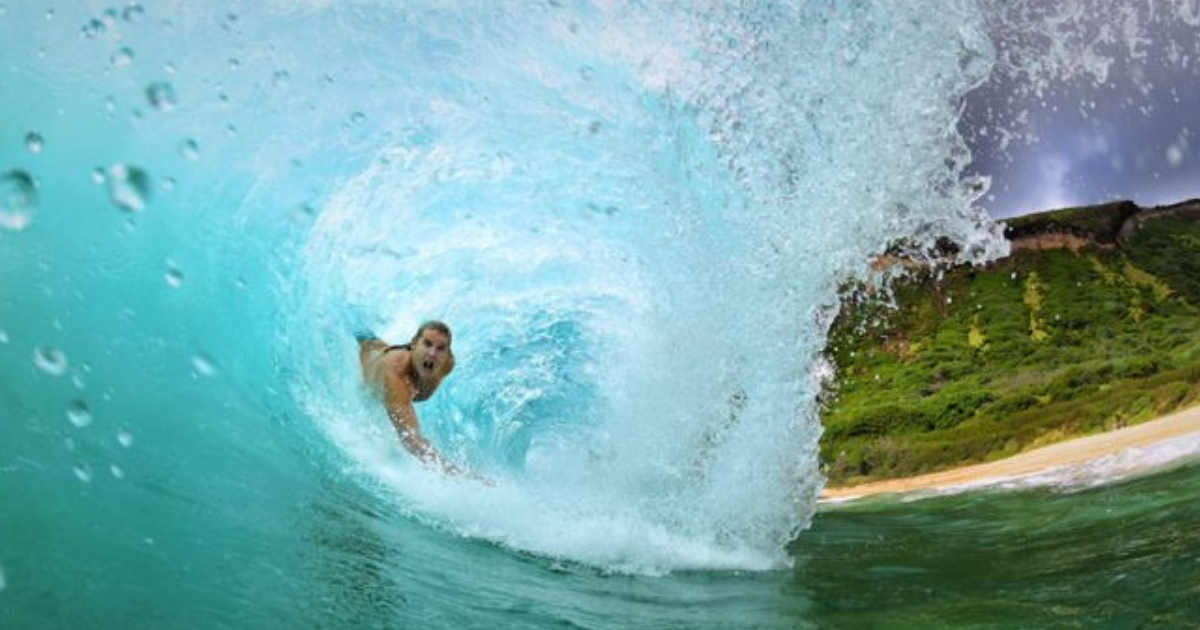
[[1041, 346]]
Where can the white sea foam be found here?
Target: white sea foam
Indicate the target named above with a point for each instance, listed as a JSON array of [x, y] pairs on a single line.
[[1114, 467]]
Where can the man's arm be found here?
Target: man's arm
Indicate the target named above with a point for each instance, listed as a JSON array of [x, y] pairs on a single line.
[[397, 400]]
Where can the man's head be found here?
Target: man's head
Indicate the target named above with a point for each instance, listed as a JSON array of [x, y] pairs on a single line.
[[431, 349]]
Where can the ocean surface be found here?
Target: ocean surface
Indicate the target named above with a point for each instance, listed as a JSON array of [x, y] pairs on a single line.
[[635, 217]]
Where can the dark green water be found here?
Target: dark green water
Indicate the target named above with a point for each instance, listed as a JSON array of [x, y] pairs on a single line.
[[1123, 556], [332, 556]]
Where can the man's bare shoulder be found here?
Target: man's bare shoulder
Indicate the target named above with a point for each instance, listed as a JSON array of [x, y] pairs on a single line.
[[397, 381], [397, 363], [397, 356]]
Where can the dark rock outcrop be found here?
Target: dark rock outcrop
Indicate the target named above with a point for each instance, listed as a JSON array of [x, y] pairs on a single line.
[[1105, 226]]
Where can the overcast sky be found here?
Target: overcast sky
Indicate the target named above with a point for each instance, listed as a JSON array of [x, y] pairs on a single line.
[[1134, 136]]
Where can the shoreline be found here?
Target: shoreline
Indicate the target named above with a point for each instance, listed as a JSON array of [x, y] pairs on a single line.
[[1030, 463]]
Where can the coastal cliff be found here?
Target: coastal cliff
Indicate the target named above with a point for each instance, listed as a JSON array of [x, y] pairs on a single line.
[[1090, 324]]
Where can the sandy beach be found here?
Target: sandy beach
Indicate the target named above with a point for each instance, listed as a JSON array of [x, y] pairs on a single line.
[[1072, 452]]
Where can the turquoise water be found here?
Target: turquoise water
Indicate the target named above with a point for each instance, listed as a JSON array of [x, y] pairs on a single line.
[[634, 217]]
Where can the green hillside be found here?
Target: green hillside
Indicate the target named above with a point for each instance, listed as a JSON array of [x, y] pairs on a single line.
[[1038, 347]]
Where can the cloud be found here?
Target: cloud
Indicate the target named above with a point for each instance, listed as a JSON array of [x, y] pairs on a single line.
[[1050, 188]]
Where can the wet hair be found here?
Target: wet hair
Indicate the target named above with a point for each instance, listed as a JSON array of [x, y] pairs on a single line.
[[434, 324]]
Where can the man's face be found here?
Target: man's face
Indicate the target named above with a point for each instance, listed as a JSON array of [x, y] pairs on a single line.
[[430, 352]]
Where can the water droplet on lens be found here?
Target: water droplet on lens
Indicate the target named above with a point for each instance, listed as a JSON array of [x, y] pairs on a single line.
[[133, 12], [281, 78], [128, 187], [79, 413], [234, 63], [93, 29], [1174, 155], [52, 361], [167, 184], [34, 142], [49, 14], [98, 175], [174, 277], [125, 438], [203, 365], [358, 118], [189, 149], [161, 95], [83, 472], [123, 57], [3, 337], [116, 471], [18, 200]]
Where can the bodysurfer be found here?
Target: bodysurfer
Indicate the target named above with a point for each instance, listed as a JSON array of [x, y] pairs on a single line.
[[403, 374]]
